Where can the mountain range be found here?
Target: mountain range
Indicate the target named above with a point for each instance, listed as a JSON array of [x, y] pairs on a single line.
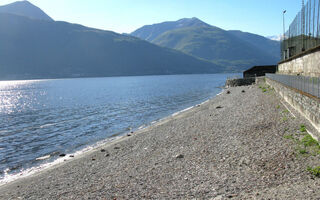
[[33, 45], [234, 50], [37, 47]]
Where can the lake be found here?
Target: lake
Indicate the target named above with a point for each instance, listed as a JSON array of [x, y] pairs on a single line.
[[46, 118]]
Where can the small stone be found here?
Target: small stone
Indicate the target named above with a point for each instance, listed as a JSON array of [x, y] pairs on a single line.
[[180, 156], [103, 150], [218, 107], [93, 159], [231, 196], [71, 156], [228, 92], [107, 155], [62, 155], [128, 134], [243, 91], [116, 147]]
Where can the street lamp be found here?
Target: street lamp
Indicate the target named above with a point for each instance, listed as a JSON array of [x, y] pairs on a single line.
[[284, 27], [283, 37]]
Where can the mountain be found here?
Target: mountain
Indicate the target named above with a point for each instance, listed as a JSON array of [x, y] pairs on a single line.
[[275, 37], [271, 47], [150, 32], [49, 49], [235, 50], [25, 8]]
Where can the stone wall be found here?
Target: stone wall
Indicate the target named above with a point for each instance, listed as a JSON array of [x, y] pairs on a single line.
[[307, 64], [309, 107], [240, 82]]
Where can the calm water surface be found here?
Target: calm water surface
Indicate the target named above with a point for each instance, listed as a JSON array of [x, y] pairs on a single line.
[[50, 117]]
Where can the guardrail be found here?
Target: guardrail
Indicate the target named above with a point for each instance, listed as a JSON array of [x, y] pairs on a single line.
[[310, 85]]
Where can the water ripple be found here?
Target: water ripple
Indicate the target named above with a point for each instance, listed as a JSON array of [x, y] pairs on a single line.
[[48, 117]]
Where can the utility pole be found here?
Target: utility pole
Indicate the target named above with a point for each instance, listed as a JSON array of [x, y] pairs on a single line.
[[303, 27]]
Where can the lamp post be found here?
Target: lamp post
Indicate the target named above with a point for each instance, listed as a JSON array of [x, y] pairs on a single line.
[[283, 37], [284, 27]]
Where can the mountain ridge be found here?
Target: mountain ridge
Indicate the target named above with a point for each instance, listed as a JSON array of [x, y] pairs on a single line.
[[26, 9], [235, 50], [49, 49], [155, 30]]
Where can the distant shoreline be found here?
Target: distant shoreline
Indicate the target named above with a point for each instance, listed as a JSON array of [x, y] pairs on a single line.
[[115, 76]]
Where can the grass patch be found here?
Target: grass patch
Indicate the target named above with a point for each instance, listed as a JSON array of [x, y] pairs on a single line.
[[314, 171], [284, 118], [285, 111], [278, 107], [302, 151], [289, 137], [303, 128], [308, 141], [263, 88]]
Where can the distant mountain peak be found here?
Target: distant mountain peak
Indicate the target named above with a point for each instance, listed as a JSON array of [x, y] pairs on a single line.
[[194, 21], [25, 2], [26, 9], [275, 37], [150, 32], [190, 19]]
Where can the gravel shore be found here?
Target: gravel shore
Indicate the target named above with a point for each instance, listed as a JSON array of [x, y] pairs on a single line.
[[233, 146]]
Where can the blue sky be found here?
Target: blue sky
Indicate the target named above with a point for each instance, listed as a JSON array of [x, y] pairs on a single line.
[[262, 17]]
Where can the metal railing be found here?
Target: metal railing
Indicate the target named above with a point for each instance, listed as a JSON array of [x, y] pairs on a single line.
[[304, 32], [310, 85]]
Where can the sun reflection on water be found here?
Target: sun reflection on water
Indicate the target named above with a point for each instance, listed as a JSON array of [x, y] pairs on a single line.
[[15, 96]]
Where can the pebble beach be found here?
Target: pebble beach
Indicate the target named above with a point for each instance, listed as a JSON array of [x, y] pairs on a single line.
[[233, 146]]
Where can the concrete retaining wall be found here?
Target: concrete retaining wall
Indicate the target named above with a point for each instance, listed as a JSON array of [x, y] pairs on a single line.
[[305, 65], [309, 107]]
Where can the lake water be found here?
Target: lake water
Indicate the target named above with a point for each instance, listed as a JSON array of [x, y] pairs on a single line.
[[50, 117]]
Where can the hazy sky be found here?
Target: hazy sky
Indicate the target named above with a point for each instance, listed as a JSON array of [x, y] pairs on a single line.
[[262, 17]]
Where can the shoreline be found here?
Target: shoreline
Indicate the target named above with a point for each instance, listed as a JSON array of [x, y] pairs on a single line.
[[33, 171], [232, 146]]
